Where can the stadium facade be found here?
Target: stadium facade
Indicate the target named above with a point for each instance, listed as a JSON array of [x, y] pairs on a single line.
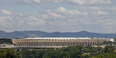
[[55, 42]]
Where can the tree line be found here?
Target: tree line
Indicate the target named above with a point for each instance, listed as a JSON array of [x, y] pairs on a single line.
[[5, 41], [67, 52]]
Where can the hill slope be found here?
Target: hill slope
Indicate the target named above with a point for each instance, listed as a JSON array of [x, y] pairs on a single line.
[[25, 34]]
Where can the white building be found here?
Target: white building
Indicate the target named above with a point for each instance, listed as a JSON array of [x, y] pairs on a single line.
[[55, 42]]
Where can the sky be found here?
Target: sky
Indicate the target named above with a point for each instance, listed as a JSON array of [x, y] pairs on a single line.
[[58, 15]]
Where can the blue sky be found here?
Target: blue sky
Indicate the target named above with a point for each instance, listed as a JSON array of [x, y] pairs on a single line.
[[58, 15]]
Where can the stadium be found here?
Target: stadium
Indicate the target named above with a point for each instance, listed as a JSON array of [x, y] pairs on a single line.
[[55, 42]]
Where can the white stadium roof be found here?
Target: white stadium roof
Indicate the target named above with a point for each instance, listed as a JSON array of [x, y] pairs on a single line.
[[57, 38]]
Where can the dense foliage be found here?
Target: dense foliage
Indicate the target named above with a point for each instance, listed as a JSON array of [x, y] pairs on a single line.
[[68, 52], [8, 53], [5, 41]]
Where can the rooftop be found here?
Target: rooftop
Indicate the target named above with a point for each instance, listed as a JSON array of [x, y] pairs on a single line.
[[57, 38]]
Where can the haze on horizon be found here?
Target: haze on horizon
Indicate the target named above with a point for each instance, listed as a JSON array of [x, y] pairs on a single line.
[[58, 15]]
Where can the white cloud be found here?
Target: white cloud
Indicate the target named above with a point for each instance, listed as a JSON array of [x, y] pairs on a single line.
[[51, 14], [69, 12], [20, 14], [62, 12], [109, 25], [91, 8], [55, 15], [101, 22], [6, 12], [15, 23], [82, 2], [55, 1], [101, 13], [32, 1], [37, 1], [12, 21], [31, 20], [61, 9], [45, 16], [113, 8], [2, 22]]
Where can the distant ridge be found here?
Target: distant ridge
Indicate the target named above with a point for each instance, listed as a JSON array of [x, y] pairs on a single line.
[[25, 34]]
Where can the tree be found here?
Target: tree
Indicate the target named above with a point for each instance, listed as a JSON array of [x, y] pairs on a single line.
[[7, 53], [105, 55], [109, 49]]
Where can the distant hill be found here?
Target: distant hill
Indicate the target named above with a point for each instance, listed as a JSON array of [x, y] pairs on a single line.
[[25, 34]]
